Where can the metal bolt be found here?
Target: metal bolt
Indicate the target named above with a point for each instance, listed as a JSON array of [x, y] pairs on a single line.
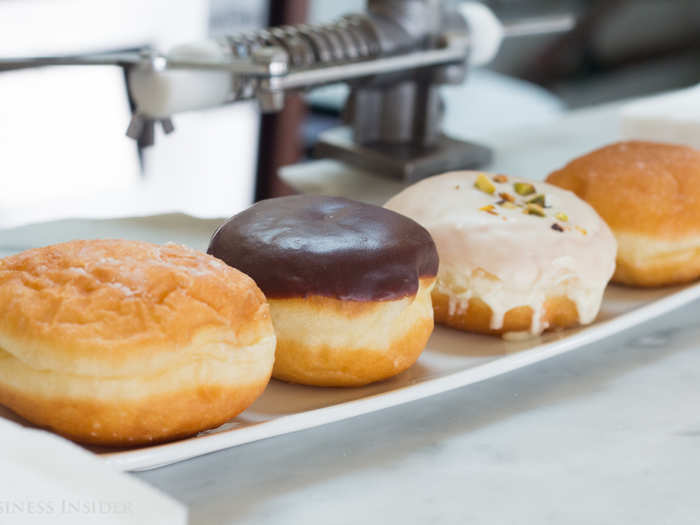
[[167, 125], [275, 58], [135, 127], [153, 60]]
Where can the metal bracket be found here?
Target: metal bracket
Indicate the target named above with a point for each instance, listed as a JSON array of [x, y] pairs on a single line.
[[405, 162]]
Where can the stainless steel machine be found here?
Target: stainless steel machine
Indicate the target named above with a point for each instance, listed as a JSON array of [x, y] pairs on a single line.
[[394, 57]]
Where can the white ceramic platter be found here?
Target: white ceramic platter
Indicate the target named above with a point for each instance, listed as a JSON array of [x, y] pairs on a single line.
[[451, 360]]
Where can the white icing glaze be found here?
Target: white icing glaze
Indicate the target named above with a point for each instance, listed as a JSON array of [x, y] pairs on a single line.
[[510, 259]]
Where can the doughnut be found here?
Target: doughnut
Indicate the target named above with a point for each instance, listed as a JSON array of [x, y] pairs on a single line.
[[649, 194], [348, 285], [516, 257], [119, 343]]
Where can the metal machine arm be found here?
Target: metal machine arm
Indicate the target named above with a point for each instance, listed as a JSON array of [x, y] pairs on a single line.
[[394, 57]]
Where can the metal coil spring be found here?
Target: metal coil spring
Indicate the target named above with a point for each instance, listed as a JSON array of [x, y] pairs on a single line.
[[351, 38]]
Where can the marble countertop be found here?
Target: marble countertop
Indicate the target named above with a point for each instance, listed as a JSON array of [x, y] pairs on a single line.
[[606, 434]]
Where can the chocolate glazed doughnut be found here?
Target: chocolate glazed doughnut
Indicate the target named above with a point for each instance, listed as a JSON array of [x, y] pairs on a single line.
[[348, 285]]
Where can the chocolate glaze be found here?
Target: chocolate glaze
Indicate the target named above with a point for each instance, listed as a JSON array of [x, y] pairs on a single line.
[[329, 246]]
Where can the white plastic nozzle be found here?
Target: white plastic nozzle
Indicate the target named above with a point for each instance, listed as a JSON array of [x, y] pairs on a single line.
[[485, 32], [161, 93]]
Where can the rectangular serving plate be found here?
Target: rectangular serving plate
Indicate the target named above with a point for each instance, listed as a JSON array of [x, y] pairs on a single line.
[[451, 360]]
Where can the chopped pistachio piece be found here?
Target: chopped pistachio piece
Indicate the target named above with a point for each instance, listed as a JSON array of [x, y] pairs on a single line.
[[484, 184], [507, 204], [506, 196], [534, 209], [500, 178], [489, 208], [562, 216], [523, 188], [537, 199]]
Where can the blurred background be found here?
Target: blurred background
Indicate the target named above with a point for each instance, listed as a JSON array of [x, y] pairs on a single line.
[[63, 151]]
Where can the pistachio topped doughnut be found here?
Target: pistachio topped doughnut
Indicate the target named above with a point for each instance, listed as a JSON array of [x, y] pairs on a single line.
[[515, 255], [348, 285]]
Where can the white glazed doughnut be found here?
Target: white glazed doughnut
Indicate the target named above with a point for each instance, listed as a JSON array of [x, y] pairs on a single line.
[[507, 265]]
